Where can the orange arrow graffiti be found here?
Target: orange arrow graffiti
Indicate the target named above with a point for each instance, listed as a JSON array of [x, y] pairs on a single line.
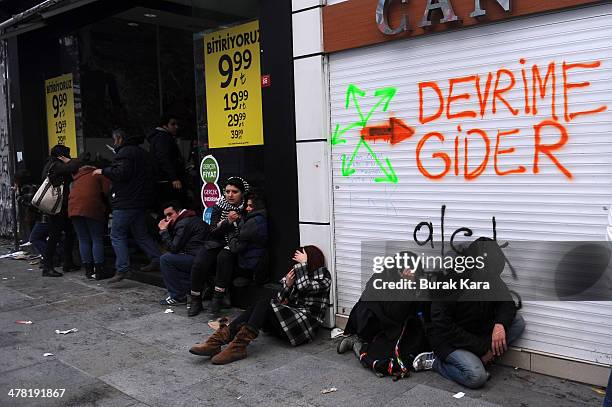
[[393, 132]]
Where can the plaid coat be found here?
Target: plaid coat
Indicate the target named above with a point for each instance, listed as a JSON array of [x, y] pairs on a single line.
[[305, 306]]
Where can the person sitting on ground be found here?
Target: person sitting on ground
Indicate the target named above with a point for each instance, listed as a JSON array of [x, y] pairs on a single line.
[[383, 321], [211, 256], [467, 335], [294, 315], [183, 233], [248, 245], [59, 168], [87, 208], [131, 175]]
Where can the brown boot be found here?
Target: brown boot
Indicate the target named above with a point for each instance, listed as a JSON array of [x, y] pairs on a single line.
[[212, 346], [236, 350]]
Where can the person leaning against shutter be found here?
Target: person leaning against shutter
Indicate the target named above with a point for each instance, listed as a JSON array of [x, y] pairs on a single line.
[[294, 315]]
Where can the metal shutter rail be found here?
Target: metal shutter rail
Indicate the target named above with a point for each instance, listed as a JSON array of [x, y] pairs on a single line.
[[544, 206]]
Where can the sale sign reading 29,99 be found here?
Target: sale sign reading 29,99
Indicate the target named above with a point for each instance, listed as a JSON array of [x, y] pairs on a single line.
[[233, 88], [61, 127]]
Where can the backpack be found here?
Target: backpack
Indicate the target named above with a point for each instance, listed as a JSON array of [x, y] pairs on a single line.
[[48, 199]]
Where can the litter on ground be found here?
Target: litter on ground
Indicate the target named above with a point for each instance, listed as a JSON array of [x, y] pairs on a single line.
[[329, 390], [168, 311], [23, 322], [57, 331], [459, 395]]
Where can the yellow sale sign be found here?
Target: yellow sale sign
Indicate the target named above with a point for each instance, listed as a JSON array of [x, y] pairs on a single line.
[[233, 86], [61, 126]]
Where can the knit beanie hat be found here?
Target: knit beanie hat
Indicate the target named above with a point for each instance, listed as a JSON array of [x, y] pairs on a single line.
[[239, 183]]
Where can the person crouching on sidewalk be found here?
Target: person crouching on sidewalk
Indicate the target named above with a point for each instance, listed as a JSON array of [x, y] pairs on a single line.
[[294, 315], [184, 233]]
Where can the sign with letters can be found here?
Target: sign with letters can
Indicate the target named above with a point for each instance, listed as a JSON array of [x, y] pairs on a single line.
[[61, 125], [233, 86]]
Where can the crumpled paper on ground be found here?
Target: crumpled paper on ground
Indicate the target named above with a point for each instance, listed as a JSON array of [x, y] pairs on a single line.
[[15, 255], [57, 331], [329, 390]]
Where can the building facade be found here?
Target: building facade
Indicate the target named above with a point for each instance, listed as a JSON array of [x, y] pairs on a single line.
[[478, 109]]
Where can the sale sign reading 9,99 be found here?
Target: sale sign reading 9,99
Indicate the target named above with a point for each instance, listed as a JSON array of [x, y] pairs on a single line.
[[233, 88], [61, 127]]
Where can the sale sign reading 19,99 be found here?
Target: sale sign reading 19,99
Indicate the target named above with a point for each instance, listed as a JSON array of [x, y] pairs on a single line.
[[233, 88], [61, 126]]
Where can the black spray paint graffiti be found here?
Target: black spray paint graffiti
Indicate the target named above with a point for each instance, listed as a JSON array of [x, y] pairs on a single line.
[[6, 217]]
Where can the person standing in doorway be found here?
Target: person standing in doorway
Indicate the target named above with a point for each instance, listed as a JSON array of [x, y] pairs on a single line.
[[170, 177], [59, 168], [131, 175]]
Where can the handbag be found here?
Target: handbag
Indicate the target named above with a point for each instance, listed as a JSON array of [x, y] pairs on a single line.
[[48, 199]]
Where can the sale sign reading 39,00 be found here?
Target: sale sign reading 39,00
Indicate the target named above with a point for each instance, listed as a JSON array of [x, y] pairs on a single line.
[[233, 88], [61, 126]]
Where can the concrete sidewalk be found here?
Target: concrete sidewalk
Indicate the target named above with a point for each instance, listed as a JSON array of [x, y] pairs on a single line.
[[128, 352]]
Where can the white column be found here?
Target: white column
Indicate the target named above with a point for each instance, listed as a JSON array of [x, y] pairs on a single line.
[[312, 131]]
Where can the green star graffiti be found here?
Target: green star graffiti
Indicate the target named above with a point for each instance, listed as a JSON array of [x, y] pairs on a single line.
[[353, 96]]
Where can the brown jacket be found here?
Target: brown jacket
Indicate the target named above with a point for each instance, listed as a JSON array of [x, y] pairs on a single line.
[[88, 195]]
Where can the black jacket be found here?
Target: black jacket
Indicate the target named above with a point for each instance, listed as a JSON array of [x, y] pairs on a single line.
[[467, 325], [170, 165], [250, 239], [131, 174], [187, 235], [61, 173]]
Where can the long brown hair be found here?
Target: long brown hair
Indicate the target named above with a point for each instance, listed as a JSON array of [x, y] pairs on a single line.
[[316, 259]]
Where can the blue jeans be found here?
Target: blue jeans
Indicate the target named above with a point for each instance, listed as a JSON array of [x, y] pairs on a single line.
[[38, 238], [466, 368], [176, 271], [134, 221], [90, 233]]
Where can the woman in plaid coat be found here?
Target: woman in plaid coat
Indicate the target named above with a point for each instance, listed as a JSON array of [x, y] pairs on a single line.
[[294, 315]]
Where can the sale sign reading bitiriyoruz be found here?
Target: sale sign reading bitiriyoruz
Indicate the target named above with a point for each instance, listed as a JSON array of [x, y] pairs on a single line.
[[233, 88], [59, 97]]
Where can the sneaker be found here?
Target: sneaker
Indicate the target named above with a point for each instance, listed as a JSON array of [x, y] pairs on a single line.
[[424, 361], [173, 301], [347, 343]]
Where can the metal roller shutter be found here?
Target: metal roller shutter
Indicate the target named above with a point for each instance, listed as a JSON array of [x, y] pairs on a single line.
[[528, 206]]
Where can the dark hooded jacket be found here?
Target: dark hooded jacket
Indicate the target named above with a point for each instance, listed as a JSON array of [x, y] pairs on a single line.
[[131, 174], [468, 323], [250, 239], [170, 165], [186, 235]]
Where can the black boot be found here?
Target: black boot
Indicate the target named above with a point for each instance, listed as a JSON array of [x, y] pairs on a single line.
[[89, 270], [100, 273], [51, 272], [195, 306]]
